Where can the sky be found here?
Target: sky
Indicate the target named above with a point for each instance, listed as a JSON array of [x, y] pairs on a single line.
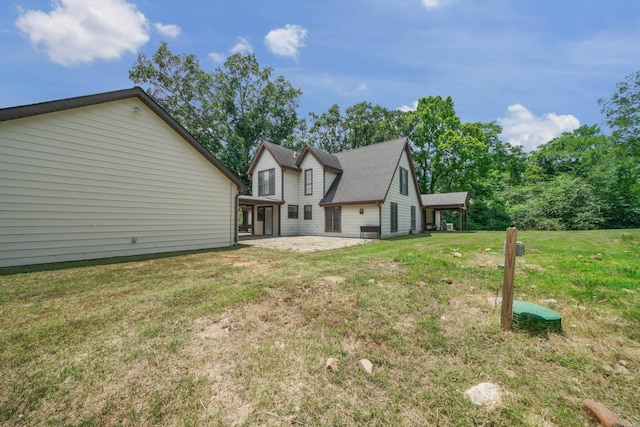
[[536, 67]]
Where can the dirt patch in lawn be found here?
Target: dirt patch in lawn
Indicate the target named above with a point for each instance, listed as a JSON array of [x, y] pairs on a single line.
[[225, 350]]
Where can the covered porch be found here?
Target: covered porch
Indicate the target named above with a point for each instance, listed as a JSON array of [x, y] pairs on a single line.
[[435, 204], [260, 215]]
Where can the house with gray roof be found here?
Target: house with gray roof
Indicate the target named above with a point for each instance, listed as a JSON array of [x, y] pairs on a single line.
[[365, 192]]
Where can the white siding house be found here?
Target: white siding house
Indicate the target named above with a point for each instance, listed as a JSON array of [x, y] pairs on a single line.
[[107, 175], [339, 194]]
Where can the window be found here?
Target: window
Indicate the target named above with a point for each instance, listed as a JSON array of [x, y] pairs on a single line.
[[293, 211], [260, 214], [307, 211], [332, 218], [267, 182], [308, 182], [413, 217], [404, 181], [394, 217]]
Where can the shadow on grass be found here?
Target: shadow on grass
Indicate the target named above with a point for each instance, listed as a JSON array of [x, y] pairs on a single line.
[[34, 268]]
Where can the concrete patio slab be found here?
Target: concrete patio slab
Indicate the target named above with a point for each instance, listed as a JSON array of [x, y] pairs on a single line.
[[304, 244]]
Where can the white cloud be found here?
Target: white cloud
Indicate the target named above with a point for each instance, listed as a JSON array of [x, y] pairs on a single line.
[[169, 30], [432, 4], [77, 31], [407, 108], [217, 58], [522, 127], [286, 41], [242, 46]]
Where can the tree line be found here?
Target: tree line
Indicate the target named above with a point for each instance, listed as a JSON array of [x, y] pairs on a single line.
[[584, 179]]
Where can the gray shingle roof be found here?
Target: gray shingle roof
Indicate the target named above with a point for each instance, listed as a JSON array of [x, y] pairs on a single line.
[[284, 156], [367, 173], [328, 160], [445, 200]]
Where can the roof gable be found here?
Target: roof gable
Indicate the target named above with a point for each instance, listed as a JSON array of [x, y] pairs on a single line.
[[367, 173], [18, 112], [284, 156], [328, 161]]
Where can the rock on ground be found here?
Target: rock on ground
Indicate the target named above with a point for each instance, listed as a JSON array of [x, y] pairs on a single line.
[[366, 365], [485, 394], [332, 364]]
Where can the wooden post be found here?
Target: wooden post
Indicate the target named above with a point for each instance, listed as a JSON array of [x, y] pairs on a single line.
[[509, 276]]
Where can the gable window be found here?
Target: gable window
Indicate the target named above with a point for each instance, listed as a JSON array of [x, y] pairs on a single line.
[[394, 217], [404, 181], [413, 217], [308, 182], [307, 211], [332, 218], [267, 182], [293, 211]]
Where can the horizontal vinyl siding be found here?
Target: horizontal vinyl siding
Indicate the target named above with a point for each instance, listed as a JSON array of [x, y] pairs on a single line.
[[314, 226], [404, 203], [290, 227], [81, 183], [352, 219]]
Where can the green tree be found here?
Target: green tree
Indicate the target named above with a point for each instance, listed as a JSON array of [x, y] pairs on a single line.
[[450, 155], [564, 203], [367, 124], [576, 153], [327, 130], [179, 85], [230, 111], [622, 113], [433, 124]]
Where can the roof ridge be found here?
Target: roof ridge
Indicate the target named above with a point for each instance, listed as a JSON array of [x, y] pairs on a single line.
[[405, 138]]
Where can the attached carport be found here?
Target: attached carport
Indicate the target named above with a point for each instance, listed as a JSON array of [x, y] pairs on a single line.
[[260, 215], [434, 204]]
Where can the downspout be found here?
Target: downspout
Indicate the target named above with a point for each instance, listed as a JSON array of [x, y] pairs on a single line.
[[280, 206], [380, 219], [235, 216]]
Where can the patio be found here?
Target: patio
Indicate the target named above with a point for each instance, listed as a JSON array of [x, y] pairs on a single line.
[[306, 244]]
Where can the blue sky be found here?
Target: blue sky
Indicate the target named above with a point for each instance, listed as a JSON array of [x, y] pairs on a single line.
[[537, 67]]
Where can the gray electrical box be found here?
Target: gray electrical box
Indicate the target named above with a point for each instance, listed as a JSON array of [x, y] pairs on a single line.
[[519, 248]]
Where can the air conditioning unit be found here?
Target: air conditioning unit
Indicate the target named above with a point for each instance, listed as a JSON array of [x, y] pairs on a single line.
[[449, 226]]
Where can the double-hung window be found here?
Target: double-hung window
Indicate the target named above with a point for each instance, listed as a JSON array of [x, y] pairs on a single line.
[[413, 217], [267, 182], [404, 181], [308, 182], [394, 217]]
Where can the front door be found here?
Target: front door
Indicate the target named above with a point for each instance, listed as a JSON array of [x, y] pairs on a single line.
[[268, 221]]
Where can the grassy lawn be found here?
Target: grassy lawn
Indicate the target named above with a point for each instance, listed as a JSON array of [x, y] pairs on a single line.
[[240, 337]]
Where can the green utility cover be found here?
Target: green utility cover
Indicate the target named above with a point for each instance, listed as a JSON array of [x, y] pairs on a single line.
[[528, 315]]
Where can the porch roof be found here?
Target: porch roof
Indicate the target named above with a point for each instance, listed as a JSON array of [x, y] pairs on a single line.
[[458, 200], [259, 200]]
